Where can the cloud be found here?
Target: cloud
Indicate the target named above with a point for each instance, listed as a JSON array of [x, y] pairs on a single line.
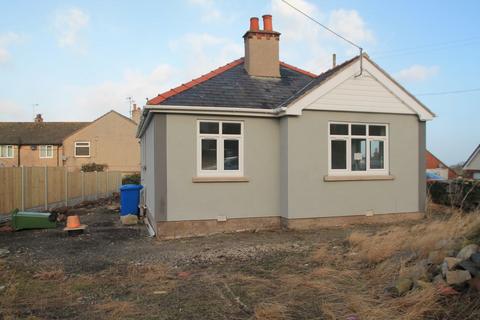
[[6, 41], [69, 24], [309, 45], [202, 52], [209, 10], [417, 73], [12, 111], [209, 52], [89, 102]]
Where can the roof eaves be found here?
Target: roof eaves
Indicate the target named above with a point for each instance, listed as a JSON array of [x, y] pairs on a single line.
[[474, 153]]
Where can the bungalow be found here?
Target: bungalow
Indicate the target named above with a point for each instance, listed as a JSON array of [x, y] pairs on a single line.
[[108, 140], [261, 144], [471, 168], [436, 166]]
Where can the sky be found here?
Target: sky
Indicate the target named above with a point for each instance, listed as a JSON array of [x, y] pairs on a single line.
[[76, 60]]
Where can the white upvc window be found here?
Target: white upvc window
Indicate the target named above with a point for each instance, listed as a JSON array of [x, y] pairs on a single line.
[[219, 148], [6, 151], [46, 152], [357, 149], [82, 149]]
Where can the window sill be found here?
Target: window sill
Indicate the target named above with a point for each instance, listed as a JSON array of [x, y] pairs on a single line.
[[219, 179], [358, 178]]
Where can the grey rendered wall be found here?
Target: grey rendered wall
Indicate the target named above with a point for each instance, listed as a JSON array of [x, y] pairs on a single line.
[[310, 196], [148, 167], [197, 201], [422, 167], [159, 147]]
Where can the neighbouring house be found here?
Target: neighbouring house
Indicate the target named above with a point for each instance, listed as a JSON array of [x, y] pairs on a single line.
[[434, 165], [260, 144], [108, 140], [471, 168]]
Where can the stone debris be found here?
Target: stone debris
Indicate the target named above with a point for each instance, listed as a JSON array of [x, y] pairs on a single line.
[[129, 219], [468, 251], [451, 274], [4, 252], [403, 285], [457, 277], [451, 262]]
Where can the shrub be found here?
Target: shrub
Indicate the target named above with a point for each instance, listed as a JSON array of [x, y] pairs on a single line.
[[131, 179], [92, 167]]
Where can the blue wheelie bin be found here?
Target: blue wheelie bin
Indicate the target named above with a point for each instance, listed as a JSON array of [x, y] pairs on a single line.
[[129, 199]]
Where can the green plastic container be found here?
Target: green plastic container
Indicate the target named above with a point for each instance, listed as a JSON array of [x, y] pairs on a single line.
[[32, 220]]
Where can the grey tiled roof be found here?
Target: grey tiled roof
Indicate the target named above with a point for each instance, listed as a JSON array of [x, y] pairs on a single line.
[[236, 89], [26, 133]]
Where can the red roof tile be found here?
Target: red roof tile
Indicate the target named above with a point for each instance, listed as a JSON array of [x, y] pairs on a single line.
[[289, 66]]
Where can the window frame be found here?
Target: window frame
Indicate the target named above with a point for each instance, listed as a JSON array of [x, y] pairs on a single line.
[[220, 138], [368, 138], [75, 149], [46, 147], [11, 154]]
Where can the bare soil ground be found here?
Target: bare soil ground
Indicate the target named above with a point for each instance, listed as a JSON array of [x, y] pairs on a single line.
[[117, 272]]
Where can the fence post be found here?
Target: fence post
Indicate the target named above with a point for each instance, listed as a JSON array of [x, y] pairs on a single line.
[[83, 185], [66, 187], [23, 187], [96, 185], [46, 188]]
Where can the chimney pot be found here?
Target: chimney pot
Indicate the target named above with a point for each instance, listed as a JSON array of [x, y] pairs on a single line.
[[334, 60], [261, 49], [254, 24], [267, 22], [38, 118]]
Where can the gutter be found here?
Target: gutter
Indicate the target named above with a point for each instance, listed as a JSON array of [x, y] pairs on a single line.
[[214, 111]]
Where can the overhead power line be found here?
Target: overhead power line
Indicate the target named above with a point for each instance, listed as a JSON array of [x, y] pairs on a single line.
[[447, 92], [321, 24], [428, 47], [329, 30]]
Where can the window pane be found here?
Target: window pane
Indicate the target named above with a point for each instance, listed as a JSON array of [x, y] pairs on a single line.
[[209, 127], [231, 128], [359, 157], [82, 151], [376, 154], [340, 129], [359, 130], [339, 154], [377, 130], [230, 154], [209, 154]]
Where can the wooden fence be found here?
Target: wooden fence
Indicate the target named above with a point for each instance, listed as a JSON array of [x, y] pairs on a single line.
[[45, 187]]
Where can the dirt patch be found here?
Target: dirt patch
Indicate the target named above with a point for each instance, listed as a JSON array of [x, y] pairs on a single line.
[[118, 272]]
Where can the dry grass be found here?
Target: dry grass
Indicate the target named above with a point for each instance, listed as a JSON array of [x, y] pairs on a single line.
[[117, 309], [420, 239], [335, 280], [270, 311]]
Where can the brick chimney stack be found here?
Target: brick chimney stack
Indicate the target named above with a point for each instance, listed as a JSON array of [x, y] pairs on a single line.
[[38, 118], [136, 113], [262, 49]]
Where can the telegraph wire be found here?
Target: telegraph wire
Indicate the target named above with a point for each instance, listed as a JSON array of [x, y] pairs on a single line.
[[330, 30], [447, 92]]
